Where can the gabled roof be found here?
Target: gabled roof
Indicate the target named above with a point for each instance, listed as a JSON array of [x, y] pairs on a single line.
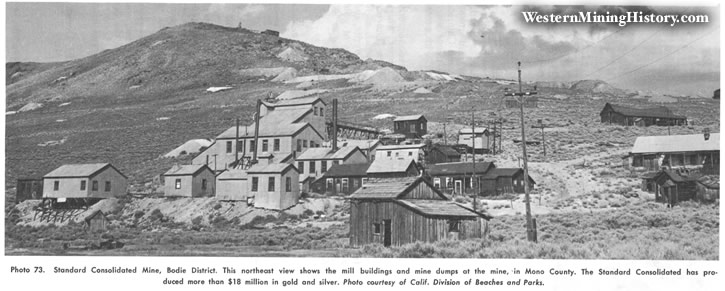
[[400, 147], [459, 168], [233, 174], [274, 168], [656, 112], [504, 172], [79, 170], [94, 214], [327, 153], [363, 144], [437, 208], [447, 150], [183, 170], [467, 130], [295, 102], [265, 130], [390, 188], [347, 170], [676, 143], [390, 166], [409, 117]]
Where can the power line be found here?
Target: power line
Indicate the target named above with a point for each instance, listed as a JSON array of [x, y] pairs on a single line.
[[667, 55]]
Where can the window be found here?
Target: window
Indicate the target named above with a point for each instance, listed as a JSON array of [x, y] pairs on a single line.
[[390, 153], [107, 186], [252, 146], [178, 184], [299, 145], [437, 183], [454, 225], [240, 145], [376, 228], [276, 145], [94, 186], [270, 184], [229, 147], [676, 160], [330, 184], [56, 185], [304, 143], [315, 110], [335, 162], [344, 184], [397, 154], [83, 186], [288, 184], [410, 154], [322, 112], [691, 159], [301, 167], [203, 184], [412, 128], [265, 145], [255, 184], [312, 167], [637, 161], [363, 181], [323, 167], [354, 183]]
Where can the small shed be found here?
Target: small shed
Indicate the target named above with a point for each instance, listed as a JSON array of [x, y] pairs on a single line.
[[28, 189], [504, 180], [384, 168], [96, 221], [481, 136], [442, 154], [708, 188], [412, 126], [406, 210], [274, 186], [231, 185], [671, 187], [189, 181]]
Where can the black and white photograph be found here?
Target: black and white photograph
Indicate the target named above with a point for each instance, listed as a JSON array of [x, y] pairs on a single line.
[[512, 131]]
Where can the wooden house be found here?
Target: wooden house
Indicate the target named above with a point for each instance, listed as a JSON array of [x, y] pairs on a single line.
[[286, 128], [315, 162], [708, 188], [415, 152], [341, 179], [28, 189], [442, 154], [100, 180], [189, 181], [671, 187], [457, 178], [383, 168], [623, 115], [412, 126], [504, 180], [232, 185], [406, 210], [699, 152], [96, 221], [479, 135], [274, 186]]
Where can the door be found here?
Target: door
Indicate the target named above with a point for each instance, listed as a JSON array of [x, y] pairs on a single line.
[[387, 232], [457, 187]]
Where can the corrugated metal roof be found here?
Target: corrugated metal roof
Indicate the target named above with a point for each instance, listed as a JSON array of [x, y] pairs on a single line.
[[656, 112], [181, 170], [390, 166], [326, 153], [408, 117], [676, 143], [76, 170], [270, 168], [347, 170], [437, 208], [383, 188], [458, 168]]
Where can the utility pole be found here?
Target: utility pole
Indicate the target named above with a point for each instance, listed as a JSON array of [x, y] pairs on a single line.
[[530, 231], [473, 151]]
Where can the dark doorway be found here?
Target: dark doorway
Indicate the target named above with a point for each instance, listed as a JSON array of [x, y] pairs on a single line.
[[386, 232]]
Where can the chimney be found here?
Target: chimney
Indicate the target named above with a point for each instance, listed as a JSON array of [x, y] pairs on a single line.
[[706, 133], [334, 125], [256, 132]]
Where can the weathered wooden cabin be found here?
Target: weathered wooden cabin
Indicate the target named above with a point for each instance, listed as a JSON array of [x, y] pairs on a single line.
[[455, 178], [100, 181], [504, 180], [708, 188], [383, 168], [28, 189], [699, 152], [412, 126], [623, 115], [189, 181], [406, 210], [341, 179], [671, 187], [442, 154], [96, 221]]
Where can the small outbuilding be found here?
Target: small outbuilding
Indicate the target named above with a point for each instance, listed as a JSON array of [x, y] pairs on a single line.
[[384, 168], [96, 221], [189, 181], [671, 187], [442, 154], [274, 186], [406, 210], [455, 178], [504, 180], [101, 180], [412, 126], [624, 115], [708, 188], [28, 189], [232, 185]]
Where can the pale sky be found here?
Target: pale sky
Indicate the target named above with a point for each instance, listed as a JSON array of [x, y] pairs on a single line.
[[471, 40]]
